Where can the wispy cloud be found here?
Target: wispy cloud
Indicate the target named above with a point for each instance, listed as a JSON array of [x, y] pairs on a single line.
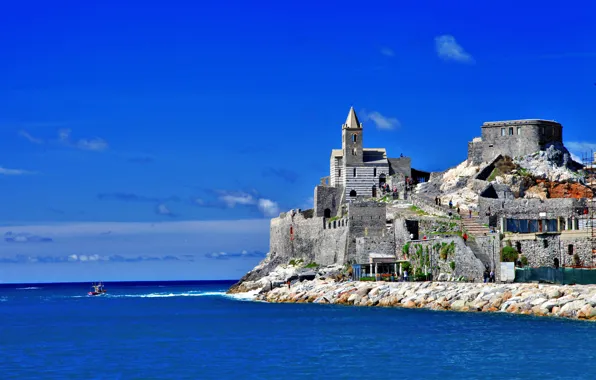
[[449, 50], [6, 171], [31, 139], [24, 237], [78, 258], [131, 197], [387, 52], [285, 174], [235, 255], [162, 209], [64, 138], [381, 122], [95, 143], [266, 206]]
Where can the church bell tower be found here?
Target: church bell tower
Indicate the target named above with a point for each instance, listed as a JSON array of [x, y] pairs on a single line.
[[352, 140]]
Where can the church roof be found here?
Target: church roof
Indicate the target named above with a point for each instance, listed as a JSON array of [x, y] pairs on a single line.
[[352, 120]]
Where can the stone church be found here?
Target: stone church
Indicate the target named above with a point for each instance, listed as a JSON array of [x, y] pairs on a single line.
[[356, 171]]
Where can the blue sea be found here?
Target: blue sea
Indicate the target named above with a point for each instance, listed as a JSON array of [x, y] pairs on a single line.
[[192, 330]]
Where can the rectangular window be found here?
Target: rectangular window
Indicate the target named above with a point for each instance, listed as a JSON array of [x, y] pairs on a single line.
[[502, 131], [518, 131], [339, 175], [354, 172], [510, 131]]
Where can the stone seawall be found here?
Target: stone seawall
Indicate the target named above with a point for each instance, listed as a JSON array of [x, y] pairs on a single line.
[[574, 302]]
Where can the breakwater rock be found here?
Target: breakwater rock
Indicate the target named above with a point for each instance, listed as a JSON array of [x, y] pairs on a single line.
[[567, 301]]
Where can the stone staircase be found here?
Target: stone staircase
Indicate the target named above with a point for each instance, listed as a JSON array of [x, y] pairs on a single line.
[[474, 228]]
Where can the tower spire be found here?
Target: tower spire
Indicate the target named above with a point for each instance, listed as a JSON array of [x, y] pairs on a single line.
[[352, 120]]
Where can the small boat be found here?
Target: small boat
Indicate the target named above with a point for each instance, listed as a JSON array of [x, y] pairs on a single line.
[[98, 290]]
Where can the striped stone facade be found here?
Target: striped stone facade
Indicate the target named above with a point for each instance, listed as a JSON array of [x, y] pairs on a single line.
[[361, 179]]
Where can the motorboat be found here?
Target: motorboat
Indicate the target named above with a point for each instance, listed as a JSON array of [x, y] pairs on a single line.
[[98, 290]]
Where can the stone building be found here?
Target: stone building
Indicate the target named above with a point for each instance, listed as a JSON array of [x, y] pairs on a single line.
[[513, 138]]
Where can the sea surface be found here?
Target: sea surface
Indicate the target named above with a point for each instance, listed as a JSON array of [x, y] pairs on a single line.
[[192, 330]]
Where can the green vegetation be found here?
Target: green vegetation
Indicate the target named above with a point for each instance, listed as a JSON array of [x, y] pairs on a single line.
[[418, 210], [509, 254], [406, 266], [524, 260], [452, 265], [367, 279], [296, 262], [406, 249], [315, 265], [494, 174], [446, 250]]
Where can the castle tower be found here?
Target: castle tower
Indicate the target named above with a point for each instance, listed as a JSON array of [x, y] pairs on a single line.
[[352, 140]]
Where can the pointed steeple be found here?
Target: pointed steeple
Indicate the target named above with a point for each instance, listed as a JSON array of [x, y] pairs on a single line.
[[352, 120]]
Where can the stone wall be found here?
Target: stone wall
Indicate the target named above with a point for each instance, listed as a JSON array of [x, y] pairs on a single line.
[[528, 208], [475, 152], [367, 218], [542, 250], [294, 236], [491, 246], [326, 197], [402, 165], [373, 244]]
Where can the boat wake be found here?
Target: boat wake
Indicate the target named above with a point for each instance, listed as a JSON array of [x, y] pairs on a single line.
[[238, 297], [30, 288]]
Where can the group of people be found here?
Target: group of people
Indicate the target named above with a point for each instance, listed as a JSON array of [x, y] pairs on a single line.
[[489, 275], [386, 188]]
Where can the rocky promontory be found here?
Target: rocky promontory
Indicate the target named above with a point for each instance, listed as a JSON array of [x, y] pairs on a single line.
[[566, 301]]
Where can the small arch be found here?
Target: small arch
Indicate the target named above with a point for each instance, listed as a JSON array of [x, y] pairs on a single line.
[[556, 263], [382, 179], [353, 192], [353, 151], [327, 213], [354, 138]]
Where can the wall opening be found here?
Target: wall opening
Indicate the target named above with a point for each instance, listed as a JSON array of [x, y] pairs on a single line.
[[518, 247], [374, 191], [339, 173], [354, 172], [510, 131], [374, 172], [570, 249], [382, 179], [327, 213], [353, 193], [354, 137], [556, 263]]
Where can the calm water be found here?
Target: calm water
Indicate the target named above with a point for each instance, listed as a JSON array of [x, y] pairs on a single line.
[[194, 331]]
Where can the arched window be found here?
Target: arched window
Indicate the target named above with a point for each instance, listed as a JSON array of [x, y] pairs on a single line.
[[354, 137], [353, 151], [327, 213], [353, 193]]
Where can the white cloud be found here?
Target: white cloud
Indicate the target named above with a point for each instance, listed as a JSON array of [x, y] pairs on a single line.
[[231, 200], [387, 52], [6, 171], [381, 122], [32, 139], [268, 207], [95, 144], [448, 49], [578, 149], [163, 210], [64, 138]]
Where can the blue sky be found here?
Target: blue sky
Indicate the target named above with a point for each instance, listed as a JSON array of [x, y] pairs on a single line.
[[126, 130]]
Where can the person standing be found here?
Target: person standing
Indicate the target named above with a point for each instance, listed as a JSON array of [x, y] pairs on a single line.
[[465, 237]]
